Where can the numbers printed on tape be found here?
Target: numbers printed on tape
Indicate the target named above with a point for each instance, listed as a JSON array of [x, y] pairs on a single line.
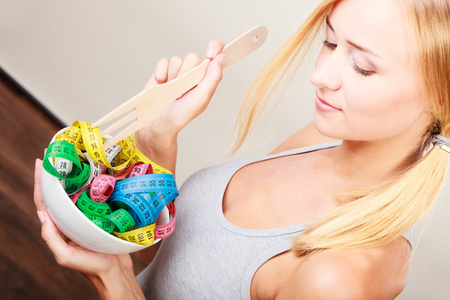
[[128, 210]]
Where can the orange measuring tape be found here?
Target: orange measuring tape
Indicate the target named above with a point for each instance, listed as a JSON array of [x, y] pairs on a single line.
[[119, 189]]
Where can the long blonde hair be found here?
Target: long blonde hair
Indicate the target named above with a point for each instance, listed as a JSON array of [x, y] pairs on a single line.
[[377, 215]]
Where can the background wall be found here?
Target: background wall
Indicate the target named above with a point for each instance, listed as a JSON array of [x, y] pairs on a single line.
[[82, 58]]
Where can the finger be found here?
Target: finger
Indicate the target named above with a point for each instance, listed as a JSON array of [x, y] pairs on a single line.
[[213, 73], [174, 67], [214, 47], [38, 200], [151, 82], [160, 73], [208, 85], [190, 60], [55, 242]]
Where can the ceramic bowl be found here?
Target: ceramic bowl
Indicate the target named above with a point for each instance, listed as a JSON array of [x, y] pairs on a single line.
[[77, 227]]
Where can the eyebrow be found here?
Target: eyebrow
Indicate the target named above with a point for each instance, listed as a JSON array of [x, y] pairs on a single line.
[[352, 43]]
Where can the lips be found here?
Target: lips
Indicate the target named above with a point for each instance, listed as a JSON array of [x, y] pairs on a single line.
[[325, 106]]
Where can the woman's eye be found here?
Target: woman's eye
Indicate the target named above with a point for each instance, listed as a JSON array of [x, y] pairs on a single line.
[[361, 71], [355, 67], [327, 44]]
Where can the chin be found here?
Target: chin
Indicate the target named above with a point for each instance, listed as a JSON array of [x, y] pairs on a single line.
[[328, 130], [340, 130]]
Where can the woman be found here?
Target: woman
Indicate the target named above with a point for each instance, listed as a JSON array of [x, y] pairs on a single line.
[[347, 188]]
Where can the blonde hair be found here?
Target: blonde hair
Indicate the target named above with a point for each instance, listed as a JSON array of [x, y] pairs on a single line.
[[379, 214]]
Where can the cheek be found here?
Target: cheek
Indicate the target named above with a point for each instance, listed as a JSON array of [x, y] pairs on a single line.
[[362, 100], [383, 108]]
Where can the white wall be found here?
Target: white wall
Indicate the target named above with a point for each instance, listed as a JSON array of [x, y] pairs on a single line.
[[82, 58]]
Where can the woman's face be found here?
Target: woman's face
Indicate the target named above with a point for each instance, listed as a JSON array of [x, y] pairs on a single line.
[[366, 83]]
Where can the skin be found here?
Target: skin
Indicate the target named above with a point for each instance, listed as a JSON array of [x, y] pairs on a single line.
[[381, 119], [113, 275], [380, 116]]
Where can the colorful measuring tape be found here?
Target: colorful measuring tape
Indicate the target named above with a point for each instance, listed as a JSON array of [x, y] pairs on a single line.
[[145, 196], [146, 235], [125, 202]]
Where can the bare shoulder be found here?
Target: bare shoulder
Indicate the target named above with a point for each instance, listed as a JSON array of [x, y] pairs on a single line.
[[307, 136], [364, 273]]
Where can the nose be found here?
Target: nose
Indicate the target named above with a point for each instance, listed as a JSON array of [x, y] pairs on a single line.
[[326, 73]]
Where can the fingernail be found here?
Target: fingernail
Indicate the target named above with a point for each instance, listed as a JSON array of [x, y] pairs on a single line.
[[41, 216], [211, 52]]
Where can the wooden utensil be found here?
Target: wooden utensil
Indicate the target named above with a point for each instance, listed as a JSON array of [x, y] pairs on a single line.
[[150, 103]]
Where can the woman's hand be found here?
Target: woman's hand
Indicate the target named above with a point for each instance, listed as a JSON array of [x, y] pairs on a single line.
[[165, 128], [112, 275]]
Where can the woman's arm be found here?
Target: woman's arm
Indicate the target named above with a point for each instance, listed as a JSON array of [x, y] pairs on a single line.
[[112, 275], [158, 140]]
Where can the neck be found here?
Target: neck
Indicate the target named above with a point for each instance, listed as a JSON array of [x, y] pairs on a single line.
[[362, 163]]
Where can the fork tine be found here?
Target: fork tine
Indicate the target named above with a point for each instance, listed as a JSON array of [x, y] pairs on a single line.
[[122, 109], [150, 103], [121, 135], [118, 111], [123, 121], [150, 114]]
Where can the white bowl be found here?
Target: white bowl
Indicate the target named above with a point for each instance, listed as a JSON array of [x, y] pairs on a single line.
[[77, 227]]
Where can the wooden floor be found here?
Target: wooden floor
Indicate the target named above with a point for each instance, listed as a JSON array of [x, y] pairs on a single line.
[[27, 268]]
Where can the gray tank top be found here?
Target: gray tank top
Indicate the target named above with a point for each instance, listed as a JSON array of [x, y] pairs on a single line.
[[208, 257]]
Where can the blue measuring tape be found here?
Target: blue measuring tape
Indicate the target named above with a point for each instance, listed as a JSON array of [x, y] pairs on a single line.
[[145, 196], [145, 184]]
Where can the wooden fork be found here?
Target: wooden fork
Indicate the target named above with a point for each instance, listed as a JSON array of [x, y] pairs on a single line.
[[150, 103]]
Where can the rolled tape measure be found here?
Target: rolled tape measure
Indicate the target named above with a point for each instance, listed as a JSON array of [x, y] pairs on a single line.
[[118, 188]]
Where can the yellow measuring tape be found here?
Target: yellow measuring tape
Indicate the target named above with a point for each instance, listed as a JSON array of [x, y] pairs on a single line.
[[76, 158], [89, 139]]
